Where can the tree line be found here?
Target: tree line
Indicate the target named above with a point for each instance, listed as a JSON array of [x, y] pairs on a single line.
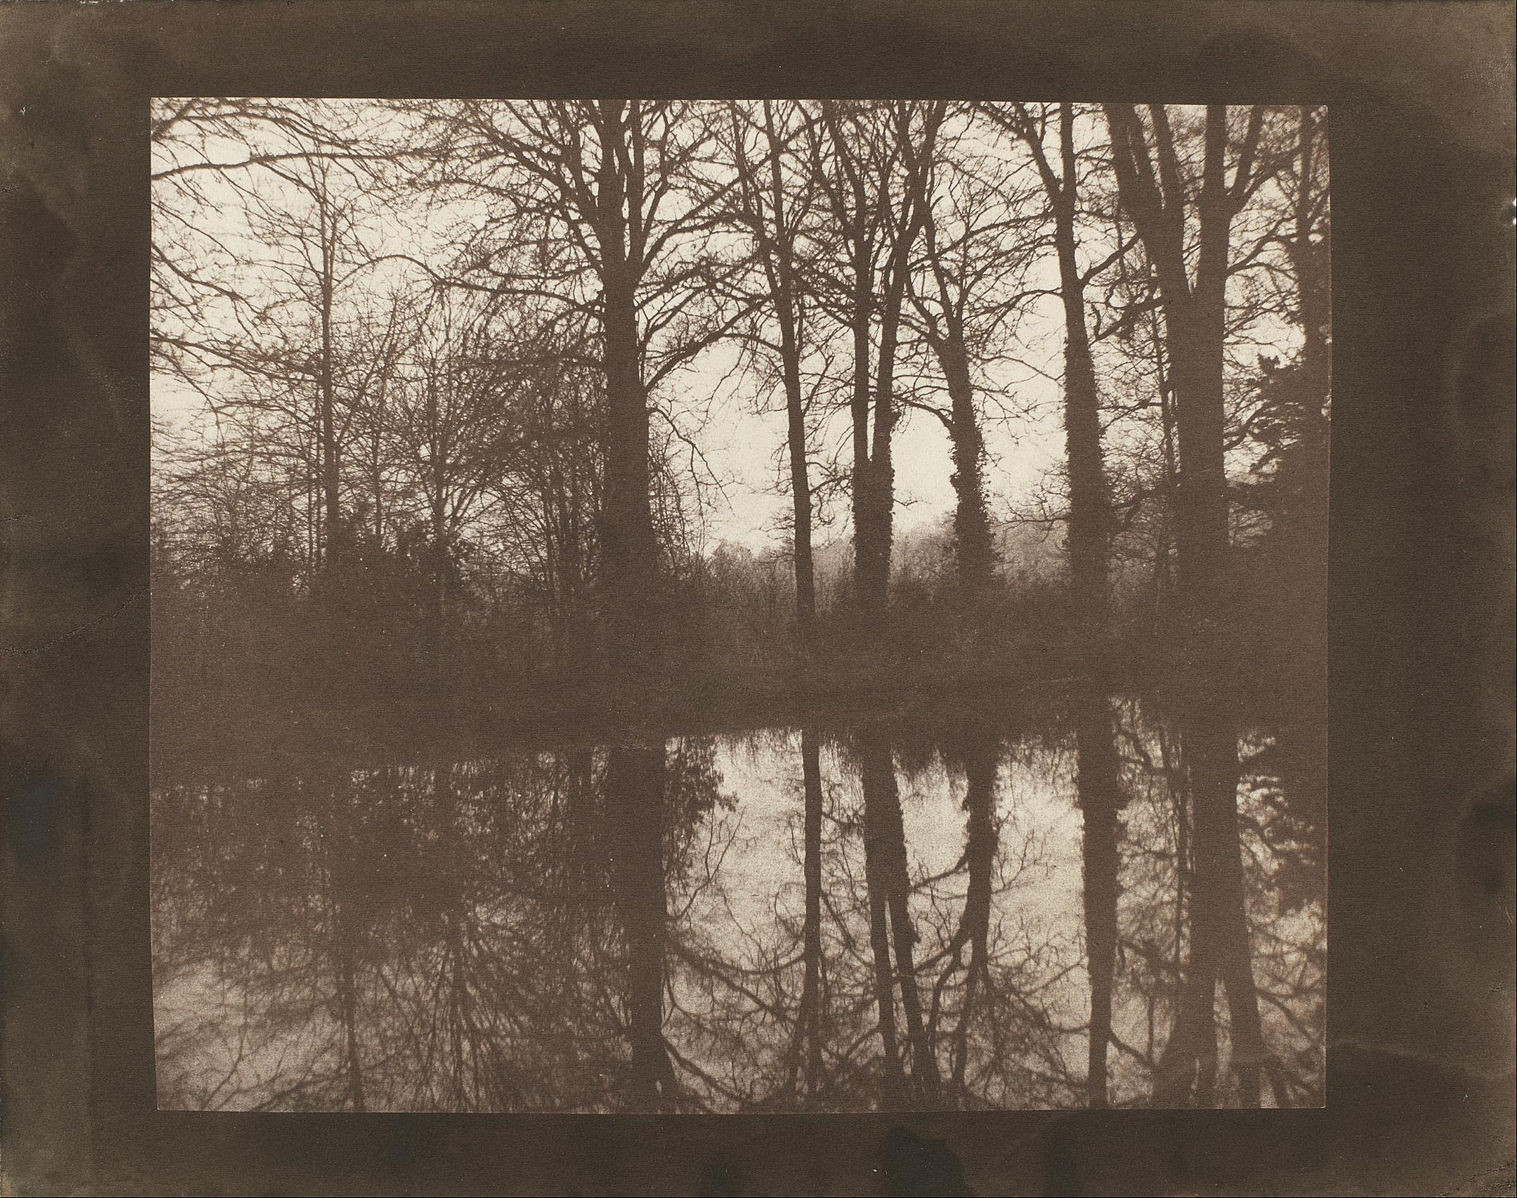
[[451, 363]]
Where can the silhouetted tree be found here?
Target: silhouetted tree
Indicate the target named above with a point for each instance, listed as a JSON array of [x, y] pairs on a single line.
[[605, 192], [856, 155], [771, 203]]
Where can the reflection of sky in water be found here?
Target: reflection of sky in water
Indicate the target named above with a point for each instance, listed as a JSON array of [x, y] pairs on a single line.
[[735, 914]]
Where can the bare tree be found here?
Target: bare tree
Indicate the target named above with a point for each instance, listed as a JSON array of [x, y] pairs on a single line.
[[772, 203], [231, 174], [598, 208], [856, 155], [454, 422], [967, 291], [1160, 194]]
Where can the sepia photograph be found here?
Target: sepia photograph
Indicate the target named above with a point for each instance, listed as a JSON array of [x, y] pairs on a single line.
[[738, 606], [728, 597]]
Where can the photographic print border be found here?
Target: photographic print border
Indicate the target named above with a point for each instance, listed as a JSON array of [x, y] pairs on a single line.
[[1419, 977]]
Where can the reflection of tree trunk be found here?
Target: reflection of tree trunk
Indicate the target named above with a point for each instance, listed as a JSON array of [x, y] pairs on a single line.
[[582, 859], [348, 991], [454, 979], [1219, 854], [811, 994], [635, 808], [1098, 786], [338, 841], [980, 753], [1189, 1056], [1219, 937], [579, 769], [889, 894], [879, 934]]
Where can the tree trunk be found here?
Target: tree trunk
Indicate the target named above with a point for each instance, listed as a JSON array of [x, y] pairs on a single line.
[[1196, 324], [629, 547], [1310, 264], [1195, 316], [1089, 499], [973, 551], [629, 551], [865, 525], [800, 487], [438, 530], [331, 469], [438, 604], [781, 268], [875, 535]]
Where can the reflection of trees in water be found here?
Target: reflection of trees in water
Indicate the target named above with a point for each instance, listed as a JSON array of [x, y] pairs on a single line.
[[1186, 925], [996, 1019], [979, 758], [888, 879], [1100, 796], [576, 930], [1005, 1012], [422, 942], [468, 937], [933, 987]]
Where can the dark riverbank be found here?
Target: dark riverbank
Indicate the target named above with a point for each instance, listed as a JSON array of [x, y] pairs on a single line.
[[247, 730]]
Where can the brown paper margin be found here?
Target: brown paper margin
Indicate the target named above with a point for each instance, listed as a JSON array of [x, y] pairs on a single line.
[[1420, 1070]]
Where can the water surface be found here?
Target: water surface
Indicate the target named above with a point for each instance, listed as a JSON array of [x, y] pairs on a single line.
[[775, 920]]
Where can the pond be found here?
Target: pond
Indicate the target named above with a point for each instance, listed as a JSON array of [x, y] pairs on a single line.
[[887, 915]]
